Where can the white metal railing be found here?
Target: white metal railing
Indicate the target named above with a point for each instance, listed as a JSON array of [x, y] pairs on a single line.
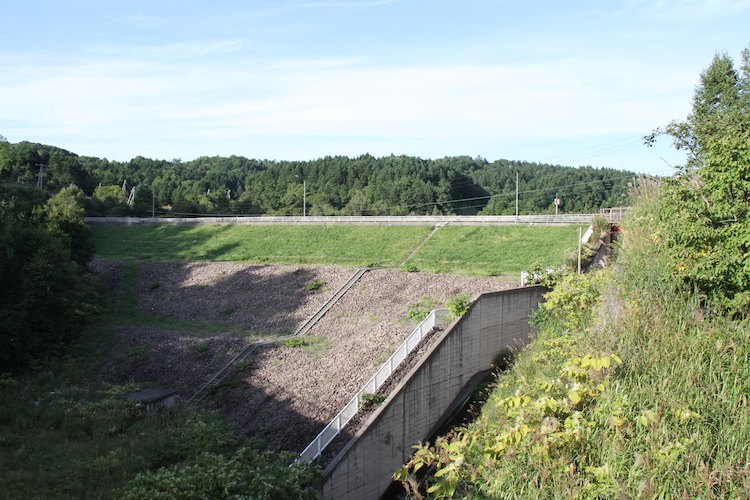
[[612, 215], [615, 214], [315, 448]]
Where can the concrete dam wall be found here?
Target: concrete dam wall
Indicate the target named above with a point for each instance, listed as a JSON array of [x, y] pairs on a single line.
[[412, 412]]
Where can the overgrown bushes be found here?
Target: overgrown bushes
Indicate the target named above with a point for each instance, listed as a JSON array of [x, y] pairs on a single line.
[[637, 383], [60, 439], [43, 250]]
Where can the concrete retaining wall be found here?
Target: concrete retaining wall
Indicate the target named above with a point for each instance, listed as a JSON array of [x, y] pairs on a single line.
[[495, 321]]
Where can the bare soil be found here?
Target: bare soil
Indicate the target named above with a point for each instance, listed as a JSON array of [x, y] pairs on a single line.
[[288, 393]]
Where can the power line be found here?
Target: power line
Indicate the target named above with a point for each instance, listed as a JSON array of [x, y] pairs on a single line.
[[560, 188]]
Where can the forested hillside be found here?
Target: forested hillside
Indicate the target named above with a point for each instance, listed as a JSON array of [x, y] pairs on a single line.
[[365, 185], [637, 384]]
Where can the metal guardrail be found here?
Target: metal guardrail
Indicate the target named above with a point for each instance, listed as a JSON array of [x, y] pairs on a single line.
[[612, 215], [315, 448]]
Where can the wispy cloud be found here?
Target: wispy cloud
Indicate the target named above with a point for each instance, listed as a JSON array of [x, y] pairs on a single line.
[[283, 9], [137, 104], [682, 10], [181, 49], [345, 3], [139, 19], [313, 64]]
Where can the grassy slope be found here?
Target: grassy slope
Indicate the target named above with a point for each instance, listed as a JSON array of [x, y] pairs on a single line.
[[498, 250], [345, 245], [466, 250], [673, 420]]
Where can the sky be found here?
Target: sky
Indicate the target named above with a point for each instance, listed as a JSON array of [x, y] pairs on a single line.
[[571, 83]]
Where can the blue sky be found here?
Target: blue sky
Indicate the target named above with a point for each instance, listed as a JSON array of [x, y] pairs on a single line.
[[574, 83]]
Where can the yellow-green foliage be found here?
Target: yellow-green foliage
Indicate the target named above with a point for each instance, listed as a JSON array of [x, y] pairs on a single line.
[[630, 390], [638, 383], [537, 416]]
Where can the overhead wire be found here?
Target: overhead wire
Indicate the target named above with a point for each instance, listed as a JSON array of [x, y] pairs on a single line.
[[597, 150]]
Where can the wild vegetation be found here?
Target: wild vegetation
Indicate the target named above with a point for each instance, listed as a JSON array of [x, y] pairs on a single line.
[[61, 437], [637, 385], [63, 434], [365, 185], [44, 250]]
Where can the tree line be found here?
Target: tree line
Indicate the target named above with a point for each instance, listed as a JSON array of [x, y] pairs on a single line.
[[333, 185], [45, 250]]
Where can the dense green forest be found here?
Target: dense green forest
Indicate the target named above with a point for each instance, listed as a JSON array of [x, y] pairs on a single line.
[[637, 383], [45, 249], [392, 185]]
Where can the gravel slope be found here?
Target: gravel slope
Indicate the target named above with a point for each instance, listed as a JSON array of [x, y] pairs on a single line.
[[288, 393]]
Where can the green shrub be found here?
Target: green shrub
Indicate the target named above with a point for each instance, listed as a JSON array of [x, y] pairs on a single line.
[[370, 400], [247, 473], [417, 314], [243, 365], [599, 225], [458, 305], [315, 285], [44, 297], [411, 268], [193, 435], [294, 342], [420, 310]]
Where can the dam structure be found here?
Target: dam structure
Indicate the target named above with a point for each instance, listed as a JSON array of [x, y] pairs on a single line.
[[422, 401]]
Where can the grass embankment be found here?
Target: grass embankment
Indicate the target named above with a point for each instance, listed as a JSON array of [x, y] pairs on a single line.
[[486, 251], [496, 250], [343, 245], [631, 390]]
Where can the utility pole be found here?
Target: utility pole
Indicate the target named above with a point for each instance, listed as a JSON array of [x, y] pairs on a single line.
[[516, 193], [40, 179], [580, 236], [153, 203]]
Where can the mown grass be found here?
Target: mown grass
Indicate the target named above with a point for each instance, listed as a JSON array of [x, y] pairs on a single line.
[[343, 245], [483, 251], [496, 250]]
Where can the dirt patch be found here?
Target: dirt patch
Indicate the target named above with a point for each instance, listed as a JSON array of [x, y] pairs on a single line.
[[272, 299], [285, 394], [168, 358]]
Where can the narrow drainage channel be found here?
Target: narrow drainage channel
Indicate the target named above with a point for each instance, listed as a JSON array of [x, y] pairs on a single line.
[[464, 410]]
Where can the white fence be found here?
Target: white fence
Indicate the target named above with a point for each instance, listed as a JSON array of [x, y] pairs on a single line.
[[316, 447], [611, 215]]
